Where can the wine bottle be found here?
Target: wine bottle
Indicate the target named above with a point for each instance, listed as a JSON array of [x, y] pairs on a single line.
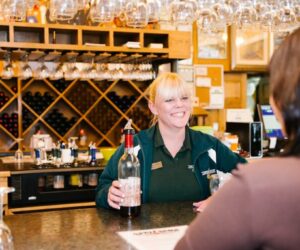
[[129, 176]]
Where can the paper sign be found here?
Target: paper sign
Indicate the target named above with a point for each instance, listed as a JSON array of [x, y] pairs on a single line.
[[157, 238], [203, 82], [216, 98], [200, 71], [239, 115]]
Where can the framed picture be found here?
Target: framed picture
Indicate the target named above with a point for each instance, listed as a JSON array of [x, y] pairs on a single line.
[[250, 49], [212, 45], [212, 48], [276, 38]]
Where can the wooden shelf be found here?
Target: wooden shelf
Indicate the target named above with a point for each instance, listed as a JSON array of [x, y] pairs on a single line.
[[96, 106]]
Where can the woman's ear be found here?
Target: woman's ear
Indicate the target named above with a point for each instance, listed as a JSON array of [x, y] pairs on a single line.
[[152, 108]]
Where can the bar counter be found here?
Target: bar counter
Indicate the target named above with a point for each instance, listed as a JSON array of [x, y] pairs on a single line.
[[91, 228]]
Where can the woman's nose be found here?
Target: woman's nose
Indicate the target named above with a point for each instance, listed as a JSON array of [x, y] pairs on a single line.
[[178, 102]]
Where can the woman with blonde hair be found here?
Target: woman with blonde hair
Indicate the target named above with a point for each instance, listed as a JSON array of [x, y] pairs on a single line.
[[175, 160]]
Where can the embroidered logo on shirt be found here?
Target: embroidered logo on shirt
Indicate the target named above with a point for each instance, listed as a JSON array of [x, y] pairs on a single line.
[[191, 167], [210, 171], [156, 165]]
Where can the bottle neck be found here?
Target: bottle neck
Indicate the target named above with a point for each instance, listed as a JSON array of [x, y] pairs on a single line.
[[128, 143]]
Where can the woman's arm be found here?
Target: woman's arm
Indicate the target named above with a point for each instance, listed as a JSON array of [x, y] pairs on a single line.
[[225, 223]]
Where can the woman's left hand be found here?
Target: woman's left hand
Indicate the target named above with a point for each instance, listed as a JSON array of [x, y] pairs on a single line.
[[201, 205]]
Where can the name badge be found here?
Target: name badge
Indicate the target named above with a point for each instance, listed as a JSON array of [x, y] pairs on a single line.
[[156, 165]]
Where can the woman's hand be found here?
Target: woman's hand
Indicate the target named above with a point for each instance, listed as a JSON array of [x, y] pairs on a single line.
[[115, 196], [201, 205]]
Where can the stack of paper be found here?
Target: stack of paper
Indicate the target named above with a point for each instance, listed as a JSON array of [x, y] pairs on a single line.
[[95, 44], [133, 45], [157, 238], [156, 45]]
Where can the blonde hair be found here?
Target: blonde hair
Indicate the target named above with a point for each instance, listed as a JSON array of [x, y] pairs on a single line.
[[168, 85]]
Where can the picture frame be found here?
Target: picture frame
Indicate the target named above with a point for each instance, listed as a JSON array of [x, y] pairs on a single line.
[[212, 48], [212, 45], [276, 38], [250, 49]]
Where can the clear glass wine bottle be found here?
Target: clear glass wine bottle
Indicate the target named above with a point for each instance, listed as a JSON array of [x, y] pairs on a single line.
[[129, 176]]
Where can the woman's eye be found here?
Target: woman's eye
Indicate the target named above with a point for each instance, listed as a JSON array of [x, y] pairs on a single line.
[[184, 98], [169, 100]]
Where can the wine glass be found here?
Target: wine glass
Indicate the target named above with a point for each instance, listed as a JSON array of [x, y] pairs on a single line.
[[26, 71], [42, 72], [63, 10], [136, 14], [102, 11], [19, 153], [214, 183], [6, 239], [8, 71]]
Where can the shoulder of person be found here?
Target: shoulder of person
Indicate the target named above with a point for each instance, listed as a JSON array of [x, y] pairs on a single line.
[[274, 165]]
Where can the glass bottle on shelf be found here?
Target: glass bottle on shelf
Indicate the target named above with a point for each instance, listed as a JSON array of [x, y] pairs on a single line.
[[129, 176], [82, 138]]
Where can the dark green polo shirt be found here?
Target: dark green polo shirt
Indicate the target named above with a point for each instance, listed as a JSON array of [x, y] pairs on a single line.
[[172, 179]]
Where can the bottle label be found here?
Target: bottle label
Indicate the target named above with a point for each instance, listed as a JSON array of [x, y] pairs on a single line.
[[128, 141], [131, 187]]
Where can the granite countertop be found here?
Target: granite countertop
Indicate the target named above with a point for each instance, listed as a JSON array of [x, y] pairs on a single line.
[[91, 228]]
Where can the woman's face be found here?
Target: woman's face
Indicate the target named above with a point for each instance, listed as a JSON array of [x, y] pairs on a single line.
[[172, 112]]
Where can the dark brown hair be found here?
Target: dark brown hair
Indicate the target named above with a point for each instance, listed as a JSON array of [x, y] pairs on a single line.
[[284, 71]]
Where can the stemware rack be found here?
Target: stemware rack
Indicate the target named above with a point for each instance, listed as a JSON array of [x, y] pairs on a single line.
[[63, 107]]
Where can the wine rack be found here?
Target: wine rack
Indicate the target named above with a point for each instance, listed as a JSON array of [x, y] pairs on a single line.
[[63, 107]]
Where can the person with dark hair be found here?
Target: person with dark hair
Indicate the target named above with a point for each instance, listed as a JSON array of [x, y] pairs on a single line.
[[259, 208], [176, 161]]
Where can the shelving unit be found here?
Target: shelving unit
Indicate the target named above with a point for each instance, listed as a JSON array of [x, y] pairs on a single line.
[[99, 107]]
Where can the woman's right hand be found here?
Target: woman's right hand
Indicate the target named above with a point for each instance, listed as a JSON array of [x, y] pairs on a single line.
[[115, 196]]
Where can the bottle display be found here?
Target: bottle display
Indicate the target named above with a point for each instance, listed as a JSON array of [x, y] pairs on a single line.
[[59, 122], [10, 123], [122, 102], [37, 101], [129, 176], [3, 99], [82, 96]]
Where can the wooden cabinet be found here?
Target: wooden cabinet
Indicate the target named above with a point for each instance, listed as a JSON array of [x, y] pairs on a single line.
[[101, 107], [4, 183]]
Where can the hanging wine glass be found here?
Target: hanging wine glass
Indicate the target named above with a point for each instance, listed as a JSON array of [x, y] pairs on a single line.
[[246, 15], [102, 11], [153, 11], [6, 239], [182, 12], [62, 10], [8, 71], [14, 10], [42, 72], [72, 71], [207, 18], [164, 12], [287, 15], [136, 14], [26, 71], [58, 72], [224, 13]]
